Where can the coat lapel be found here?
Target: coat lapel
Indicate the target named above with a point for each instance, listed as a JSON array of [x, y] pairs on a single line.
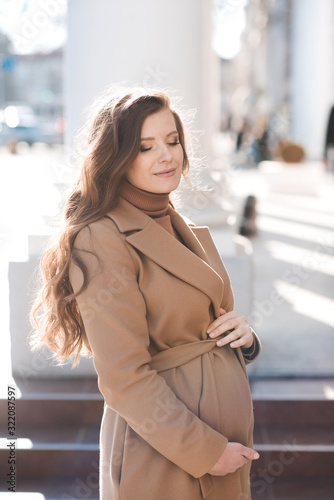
[[188, 262]]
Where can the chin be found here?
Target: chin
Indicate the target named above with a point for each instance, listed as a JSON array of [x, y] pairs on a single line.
[[167, 185]]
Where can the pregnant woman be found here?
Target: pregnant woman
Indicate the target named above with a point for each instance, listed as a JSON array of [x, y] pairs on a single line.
[[144, 291]]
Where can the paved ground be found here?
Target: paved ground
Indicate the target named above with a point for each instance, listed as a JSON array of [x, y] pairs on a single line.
[[293, 269], [293, 254], [294, 288]]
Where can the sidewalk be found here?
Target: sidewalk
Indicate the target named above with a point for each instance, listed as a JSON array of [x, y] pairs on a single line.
[[293, 269]]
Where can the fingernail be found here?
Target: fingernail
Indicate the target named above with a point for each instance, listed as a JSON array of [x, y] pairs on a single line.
[[256, 455], [211, 334]]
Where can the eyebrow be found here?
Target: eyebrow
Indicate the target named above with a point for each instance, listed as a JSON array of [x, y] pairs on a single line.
[[152, 138]]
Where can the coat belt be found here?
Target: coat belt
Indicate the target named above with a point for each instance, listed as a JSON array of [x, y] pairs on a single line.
[[181, 354]]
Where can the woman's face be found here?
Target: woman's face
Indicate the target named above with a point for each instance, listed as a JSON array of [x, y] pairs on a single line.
[[158, 166]]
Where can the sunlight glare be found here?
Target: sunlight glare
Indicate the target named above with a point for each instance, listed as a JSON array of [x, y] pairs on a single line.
[[309, 304], [20, 443], [22, 496], [230, 23], [314, 260], [298, 214], [294, 230], [329, 392]]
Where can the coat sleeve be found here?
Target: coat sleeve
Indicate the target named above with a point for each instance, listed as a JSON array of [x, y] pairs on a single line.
[[254, 350], [114, 315]]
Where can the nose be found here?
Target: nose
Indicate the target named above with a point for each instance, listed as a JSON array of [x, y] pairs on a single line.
[[165, 154]]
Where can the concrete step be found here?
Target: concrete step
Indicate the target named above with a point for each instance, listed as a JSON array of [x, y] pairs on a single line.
[[67, 434], [72, 459], [48, 451], [294, 435], [265, 489], [50, 460], [285, 451], [87, 409], [276, 401], [294, 430], [81, 486], [294, 461], [277, 488], [46, 412], [293, 412], [58, 429]]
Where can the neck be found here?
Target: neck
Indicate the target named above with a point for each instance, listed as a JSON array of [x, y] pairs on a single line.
[[153, 204]]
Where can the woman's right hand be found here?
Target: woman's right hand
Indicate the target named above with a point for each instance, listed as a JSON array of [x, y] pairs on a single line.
[[235, 456]]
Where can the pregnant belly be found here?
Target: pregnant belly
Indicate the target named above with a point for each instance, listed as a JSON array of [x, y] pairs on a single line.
[[215, 387]]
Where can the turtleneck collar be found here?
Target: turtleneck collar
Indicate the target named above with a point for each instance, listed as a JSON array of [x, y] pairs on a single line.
[[153, 204]]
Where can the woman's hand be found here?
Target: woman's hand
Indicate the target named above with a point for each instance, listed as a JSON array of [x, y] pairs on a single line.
[[241, 334], [235, 456]]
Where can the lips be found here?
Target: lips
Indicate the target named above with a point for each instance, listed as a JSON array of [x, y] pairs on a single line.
[[166, 173]]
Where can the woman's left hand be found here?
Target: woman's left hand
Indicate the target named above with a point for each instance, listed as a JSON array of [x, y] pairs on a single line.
[[241, 334]]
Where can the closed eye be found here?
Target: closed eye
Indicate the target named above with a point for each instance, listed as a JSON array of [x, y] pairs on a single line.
[[142, 149]]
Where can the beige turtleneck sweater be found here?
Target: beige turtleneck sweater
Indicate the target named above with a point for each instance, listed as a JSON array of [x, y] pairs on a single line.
[[153, 204]]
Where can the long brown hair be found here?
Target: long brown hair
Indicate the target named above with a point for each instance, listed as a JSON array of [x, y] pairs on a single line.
[[113, 143]]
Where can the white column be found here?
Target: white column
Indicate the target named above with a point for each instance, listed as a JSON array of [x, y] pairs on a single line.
[[146, 42], [312, 72]]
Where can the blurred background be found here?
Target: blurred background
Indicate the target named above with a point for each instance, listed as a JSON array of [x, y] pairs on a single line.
[[257, 76]]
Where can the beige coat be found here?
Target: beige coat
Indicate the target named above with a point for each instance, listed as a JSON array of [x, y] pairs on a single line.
[[172, 398]]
